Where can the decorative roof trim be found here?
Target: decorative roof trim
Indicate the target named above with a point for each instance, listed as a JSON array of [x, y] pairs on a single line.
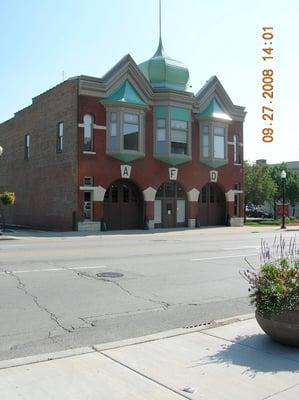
[[213, 88]]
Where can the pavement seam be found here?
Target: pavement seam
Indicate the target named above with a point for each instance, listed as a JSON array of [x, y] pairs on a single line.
[[143, 375], [281, 391]]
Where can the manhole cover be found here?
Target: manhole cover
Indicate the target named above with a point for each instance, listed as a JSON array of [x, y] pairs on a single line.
[[109, 275]]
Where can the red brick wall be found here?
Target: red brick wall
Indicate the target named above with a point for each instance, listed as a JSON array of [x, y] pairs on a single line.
[[46, 184], [148, 171]]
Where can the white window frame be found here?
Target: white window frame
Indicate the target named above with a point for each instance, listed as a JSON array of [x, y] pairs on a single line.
[[60, 137], [237, 149], [203, 146], [132, 123], [222, 135], [168, 129], [88, 126], [27, 147], [120, 121], [211, 134], [179, 130]]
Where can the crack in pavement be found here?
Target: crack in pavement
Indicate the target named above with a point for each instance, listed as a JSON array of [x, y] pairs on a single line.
[[21, 286], [163, 304], [86, 275]]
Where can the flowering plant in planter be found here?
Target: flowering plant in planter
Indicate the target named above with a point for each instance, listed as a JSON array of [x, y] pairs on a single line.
[[274, 290]]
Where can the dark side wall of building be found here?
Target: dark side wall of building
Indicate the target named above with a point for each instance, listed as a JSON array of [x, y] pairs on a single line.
[[45, 184]]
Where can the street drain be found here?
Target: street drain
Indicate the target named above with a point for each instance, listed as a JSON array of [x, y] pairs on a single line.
[[197, 325], [109, 275]]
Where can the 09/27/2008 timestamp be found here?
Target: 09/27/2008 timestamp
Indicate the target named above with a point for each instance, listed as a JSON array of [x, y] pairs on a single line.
[[267, 85]]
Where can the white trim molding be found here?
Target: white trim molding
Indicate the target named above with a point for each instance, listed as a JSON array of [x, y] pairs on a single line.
[[230, 195], [98, 192], [149, 194], [193, 195], [95, 126]]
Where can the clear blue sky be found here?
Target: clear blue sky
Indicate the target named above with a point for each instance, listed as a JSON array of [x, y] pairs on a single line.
[[40, 39]]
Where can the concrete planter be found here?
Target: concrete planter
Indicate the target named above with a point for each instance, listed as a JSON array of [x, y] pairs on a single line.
[[282, 327]]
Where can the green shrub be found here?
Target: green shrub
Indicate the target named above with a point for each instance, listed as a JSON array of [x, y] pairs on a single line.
[[8, 198]]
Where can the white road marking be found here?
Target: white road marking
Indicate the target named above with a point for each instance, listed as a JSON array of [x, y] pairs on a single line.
[[54, 269], [220, 257]]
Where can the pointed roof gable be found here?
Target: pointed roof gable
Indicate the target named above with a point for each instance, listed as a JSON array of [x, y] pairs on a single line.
[[214, 110], [125, 93], [213, 89]]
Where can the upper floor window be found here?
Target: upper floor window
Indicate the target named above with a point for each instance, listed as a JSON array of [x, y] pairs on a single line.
[[237, 150], [125, 130], [173, 134], [27, 147], [161, 144], [219, 142], [59, 142], [213, 141], [131, 128], [205, 142], [113, 131], [88, 132], [179, 135]]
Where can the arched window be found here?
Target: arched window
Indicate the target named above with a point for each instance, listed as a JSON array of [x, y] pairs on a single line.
[[88, 132], [237, 153]]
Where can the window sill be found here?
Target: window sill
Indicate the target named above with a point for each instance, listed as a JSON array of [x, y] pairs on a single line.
[[172, 158], [89, 152], [238, 164], [125, 155]]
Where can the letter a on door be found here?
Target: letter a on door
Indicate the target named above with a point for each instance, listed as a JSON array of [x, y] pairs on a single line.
[[125, 171]]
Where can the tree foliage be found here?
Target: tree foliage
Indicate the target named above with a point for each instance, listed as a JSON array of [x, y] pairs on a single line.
[[8, 198], [263, 183], [291, 184], [259, 185]]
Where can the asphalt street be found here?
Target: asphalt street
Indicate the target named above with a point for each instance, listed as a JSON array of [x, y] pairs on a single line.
[[61, 291]]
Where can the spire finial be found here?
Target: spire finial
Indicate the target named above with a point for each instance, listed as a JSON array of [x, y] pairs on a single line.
[[160, 34], [160, 50]]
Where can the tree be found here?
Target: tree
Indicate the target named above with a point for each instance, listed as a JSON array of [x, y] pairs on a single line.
[[259, 185], [7, 198], [291, 185]]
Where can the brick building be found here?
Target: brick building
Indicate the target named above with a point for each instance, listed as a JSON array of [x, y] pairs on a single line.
[[129, 150]]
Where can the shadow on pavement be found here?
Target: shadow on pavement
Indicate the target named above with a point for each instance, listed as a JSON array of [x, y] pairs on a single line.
[[257, 353]]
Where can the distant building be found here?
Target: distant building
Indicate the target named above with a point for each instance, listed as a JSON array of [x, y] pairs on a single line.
[[129, 150]]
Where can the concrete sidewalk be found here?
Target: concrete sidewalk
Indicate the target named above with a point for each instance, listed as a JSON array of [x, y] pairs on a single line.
[[226, 360], [19, 233]]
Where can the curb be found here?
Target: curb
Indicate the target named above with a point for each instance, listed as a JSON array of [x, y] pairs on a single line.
[[17, 362]]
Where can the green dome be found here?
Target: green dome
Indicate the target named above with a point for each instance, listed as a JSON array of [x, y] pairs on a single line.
[[165, 72]]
